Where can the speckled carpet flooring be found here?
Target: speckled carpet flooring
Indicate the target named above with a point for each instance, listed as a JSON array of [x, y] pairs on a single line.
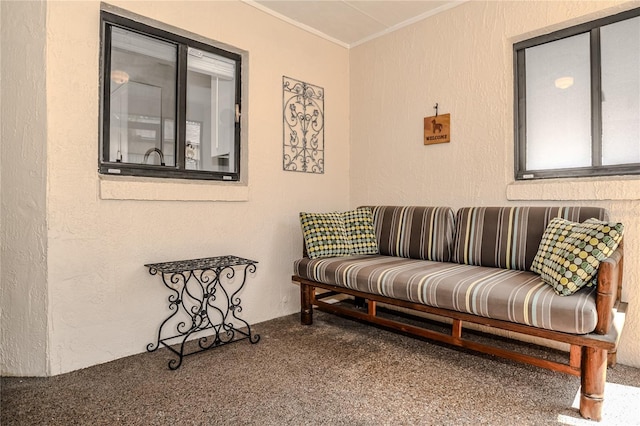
[[336, 372]]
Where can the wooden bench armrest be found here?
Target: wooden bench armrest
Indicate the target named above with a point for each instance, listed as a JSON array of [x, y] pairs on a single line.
[[609, 289]]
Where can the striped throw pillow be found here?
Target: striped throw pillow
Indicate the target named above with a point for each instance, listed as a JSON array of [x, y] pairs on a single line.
[[414, 232], [508, 237]]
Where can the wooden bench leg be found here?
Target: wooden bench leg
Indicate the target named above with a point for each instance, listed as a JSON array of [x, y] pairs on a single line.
[[306, 304], [593, 378], [612, 358]]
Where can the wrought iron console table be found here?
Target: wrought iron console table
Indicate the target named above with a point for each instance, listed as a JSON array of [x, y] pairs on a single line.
[[201, 302]]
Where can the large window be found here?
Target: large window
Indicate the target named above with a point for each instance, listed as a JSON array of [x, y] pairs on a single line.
[[170, 105], [578, 100]]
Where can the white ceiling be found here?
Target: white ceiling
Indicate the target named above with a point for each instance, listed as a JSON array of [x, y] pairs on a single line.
[[352, 22]]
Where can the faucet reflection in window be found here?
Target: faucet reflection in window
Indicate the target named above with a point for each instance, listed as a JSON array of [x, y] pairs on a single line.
[[152, 150]]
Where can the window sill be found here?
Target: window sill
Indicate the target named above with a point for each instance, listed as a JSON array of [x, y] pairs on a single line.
[[147, 189], [590, 189]]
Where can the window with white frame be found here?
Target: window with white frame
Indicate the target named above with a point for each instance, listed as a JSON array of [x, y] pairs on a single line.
[[577, 100], [170, 105]]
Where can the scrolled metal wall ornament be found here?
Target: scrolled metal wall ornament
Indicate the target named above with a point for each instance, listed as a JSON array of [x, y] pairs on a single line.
[[303, 117]]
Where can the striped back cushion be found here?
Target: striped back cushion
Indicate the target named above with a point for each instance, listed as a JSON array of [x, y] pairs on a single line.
[[414, 232], [508, 237]]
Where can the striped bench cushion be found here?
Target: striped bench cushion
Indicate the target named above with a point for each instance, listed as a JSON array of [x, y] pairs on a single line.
[[503, 294], [415, 232], [508, 237]]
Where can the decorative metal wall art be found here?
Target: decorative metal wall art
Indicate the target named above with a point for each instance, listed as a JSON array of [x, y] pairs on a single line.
[[303, 117]]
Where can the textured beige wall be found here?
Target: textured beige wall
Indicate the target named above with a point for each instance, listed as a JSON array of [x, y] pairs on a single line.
[[23, 285], [103, 303], [462, 59], [88, 265]]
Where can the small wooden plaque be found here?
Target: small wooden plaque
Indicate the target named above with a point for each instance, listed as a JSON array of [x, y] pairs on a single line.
[[437, 129]]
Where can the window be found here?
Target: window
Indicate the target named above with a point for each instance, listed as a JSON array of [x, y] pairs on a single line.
[[577, 100], [170, 105]]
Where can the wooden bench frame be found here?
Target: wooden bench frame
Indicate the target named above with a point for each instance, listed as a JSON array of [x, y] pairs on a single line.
[[589, 354]]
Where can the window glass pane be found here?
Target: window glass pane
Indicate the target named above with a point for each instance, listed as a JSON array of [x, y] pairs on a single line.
[[620, 45], [558, 104], [210, 130], [143, 99]]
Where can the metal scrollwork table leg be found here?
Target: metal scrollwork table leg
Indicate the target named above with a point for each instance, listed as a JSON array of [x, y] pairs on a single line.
[[200, 301]]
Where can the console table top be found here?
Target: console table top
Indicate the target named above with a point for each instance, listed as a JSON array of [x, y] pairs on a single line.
[[213, 263]]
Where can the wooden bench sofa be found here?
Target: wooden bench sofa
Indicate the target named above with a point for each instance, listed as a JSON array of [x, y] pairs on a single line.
[[473, 267]]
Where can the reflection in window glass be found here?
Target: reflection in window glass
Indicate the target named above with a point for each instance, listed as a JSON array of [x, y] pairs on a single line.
[[577, 105], [170, 105], [143, 99], [621, 92], [558, 112], [211, 94]]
